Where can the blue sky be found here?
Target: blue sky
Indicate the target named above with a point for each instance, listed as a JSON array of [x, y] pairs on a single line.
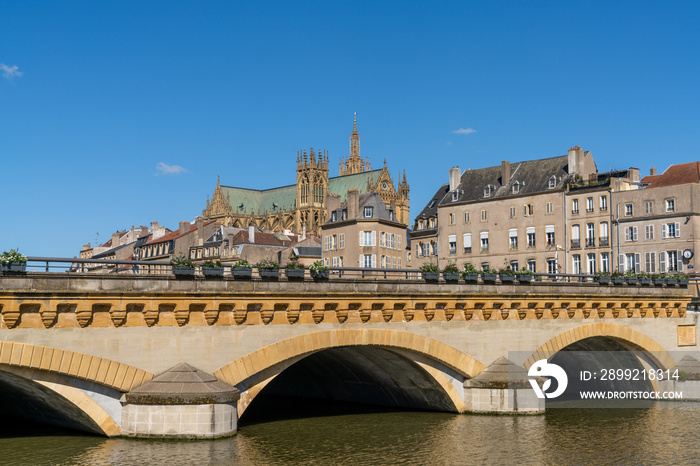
[[96, 96]]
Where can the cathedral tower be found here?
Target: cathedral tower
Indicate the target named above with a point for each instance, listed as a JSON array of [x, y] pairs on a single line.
[[311, 190], [354, 163]]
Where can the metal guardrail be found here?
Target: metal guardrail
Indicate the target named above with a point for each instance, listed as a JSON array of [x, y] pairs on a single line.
[[160, 268]]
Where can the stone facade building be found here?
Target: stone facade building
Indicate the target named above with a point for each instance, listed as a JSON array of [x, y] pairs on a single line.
[[363, 232], [301, 207]]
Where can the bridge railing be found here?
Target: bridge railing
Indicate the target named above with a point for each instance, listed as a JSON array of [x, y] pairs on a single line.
[[161, 268]]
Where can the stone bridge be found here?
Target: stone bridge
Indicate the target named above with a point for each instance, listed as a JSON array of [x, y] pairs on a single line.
[[82, 350]]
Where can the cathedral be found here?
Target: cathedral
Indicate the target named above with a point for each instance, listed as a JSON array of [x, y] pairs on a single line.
[[301, 207]]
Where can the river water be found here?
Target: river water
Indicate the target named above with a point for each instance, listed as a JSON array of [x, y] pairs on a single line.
[[666, 433]]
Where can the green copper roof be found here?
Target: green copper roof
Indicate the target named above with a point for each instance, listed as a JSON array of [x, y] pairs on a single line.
[[275, 199]]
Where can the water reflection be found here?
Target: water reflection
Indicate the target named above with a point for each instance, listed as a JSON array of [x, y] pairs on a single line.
[[563, 436]]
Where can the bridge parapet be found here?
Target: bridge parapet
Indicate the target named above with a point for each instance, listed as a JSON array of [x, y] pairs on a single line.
[[86, 300]]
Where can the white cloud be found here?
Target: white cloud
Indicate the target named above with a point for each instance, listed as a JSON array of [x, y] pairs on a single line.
[[165, 169], [464, 131], [10, 72]]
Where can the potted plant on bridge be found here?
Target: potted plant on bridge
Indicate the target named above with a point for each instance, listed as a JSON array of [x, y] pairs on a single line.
[[212, 268], [658, 279], [451, 273], [319, 271], [182, 266], [430, 272], [506, 274], [671, 279], [683, 280], [525, 275], [268, 269], [13, 261], [470, 273], [603, 278], [242, 270], [294, 270], [644, 279], [631, 277], [487, 275], [617, 278]]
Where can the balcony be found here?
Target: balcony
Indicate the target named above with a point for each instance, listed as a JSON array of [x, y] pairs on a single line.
[[513, 247], [589, 210], [484, 249], [575, 244], [468, 250], [590, 242], [574, 211], [604, 241]]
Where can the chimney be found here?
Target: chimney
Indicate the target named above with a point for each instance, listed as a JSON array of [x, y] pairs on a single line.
[[184, 227], [575, 160], [353, 201], [652, 172], [86, 246], [455, 175], [332, 203], [115, 239], [634, 175], [199, 223], [505, 172], [251, 234]]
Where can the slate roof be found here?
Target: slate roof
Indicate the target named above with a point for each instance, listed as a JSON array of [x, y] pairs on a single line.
[[675, 174], [176, 234], [275, 199], [380, 211], [268, 239], [430, 209], [532, 176]]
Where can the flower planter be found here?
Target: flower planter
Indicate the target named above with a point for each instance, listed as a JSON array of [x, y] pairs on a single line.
[[451, 276], [431, 276], [294, 274], [320, 275], [269, 274], [183, 271], [631, 280], [242, 273], [213, 271], [645, 281], [617, 280], [13, 267], [525, 278], [603, 280], [659, 281], [671, 282], [683, 282], [506, 277], [488, 277], [471, 277]]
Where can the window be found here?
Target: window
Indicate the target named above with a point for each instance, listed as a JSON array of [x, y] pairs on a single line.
[[453, 244], [530, 237], [590, 235], [574, 206], [487, 191], [381, 238], [514, 265], [674, 261], [649, 232], [650, 262], [603, 203], [670, 205], [628, 210], [433, 248], [512, 212], [432, 203], [420, 225], [335, 262], [604, 235], [484, 215], [575, 236], [630, 233], [550, 207], [382, 262], [516, 188], [577, 264], [532, 265], [628, 262], [605, 262], [590, 264], [455, 195], [485, 266], [551, 265], [368, 212], [484, 241], [398, 241], [466, 217], [432, 223], [648, 207], [549, 235], [589, 204], [528, 210], [341, 241], [513, 235], [467, 242], [342, 262], [552, 182], [452, 219], [345, 215], [368, 238], [368, 261], [425, 249], [670, 230], [333, 217]]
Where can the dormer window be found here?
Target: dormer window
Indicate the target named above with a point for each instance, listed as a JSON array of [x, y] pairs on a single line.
[[432, 203], [552, 182], [345, 215], [516, 187], [455, 195], [334, 217], [487, 191], [368, 212]]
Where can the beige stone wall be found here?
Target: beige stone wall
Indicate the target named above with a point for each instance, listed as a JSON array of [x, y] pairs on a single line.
[[595, 215], [352, 252]]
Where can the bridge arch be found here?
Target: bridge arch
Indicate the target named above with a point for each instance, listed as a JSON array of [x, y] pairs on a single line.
[[628, 337], [436, 360], [40, 374]]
